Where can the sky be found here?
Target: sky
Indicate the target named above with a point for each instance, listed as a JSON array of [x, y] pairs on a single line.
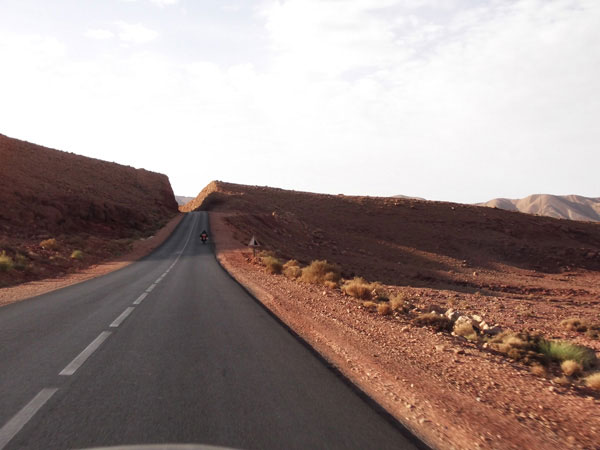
[[454, 100]]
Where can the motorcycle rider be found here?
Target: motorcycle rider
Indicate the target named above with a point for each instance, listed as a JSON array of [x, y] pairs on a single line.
[[204, 236]]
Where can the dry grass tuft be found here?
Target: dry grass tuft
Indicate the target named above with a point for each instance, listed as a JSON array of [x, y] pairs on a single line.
[[563, 381], [571, 368], [383, 309], [6, 262], [398, 303], [318, 272], [437, 322], [291, 269], [49, 244], [77, 254], [331, 284], [370, 305], [360, 288], [574, 324], [272, 264], [466, 330], [593, 381], [21, 261], [538, 370], [518, 346]]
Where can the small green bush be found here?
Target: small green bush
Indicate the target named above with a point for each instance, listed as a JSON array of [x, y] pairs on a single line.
[[564, 351], [77, 254], [6, 262]]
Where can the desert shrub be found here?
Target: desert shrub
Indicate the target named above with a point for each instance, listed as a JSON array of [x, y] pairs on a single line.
[[358, 288], [399, 303], [272, 264], [518, 346], [563, 351], [20, 261], [538, 370], [570, 368], [433, 320], [383, 309], [319, 271], [370, 304], [592, 334], [563, 381], [291, 269], [331, 284], [593, 381], [77, 254], [49, 244], [466, 330], [6, 262], [574, 324]]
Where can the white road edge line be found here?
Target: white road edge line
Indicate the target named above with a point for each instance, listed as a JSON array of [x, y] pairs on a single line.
[[152, 286], [119, 320], [85, 354], [14, 425], [140, 299]]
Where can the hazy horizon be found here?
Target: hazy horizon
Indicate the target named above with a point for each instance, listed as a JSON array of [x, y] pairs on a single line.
[[454, 100]]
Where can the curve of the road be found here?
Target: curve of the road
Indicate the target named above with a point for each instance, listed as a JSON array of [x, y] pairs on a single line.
[[171, 350]]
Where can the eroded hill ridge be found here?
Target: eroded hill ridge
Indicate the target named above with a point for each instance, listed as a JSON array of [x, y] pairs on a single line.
[[74, 203], [397, 240], [573, 207]]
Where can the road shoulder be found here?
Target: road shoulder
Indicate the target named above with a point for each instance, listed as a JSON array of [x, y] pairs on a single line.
[[141, 248]]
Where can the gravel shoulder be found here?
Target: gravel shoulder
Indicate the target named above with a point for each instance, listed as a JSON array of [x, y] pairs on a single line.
[[140, 249], [450, 392]]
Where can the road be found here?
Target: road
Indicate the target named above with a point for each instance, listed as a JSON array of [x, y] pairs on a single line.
[[171, 350]]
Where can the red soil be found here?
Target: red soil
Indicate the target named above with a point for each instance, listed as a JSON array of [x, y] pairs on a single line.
[[522, 272], [94, 206]]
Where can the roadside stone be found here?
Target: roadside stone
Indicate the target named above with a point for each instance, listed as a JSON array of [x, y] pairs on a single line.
[[452, 315]]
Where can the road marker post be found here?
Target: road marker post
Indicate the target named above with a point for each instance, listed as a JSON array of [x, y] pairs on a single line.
[[253, 243]]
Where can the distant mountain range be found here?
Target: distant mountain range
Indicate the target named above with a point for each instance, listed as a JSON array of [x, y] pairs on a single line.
[[181, 200], [573, 207]]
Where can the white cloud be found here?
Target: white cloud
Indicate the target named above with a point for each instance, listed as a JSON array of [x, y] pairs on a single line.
[[99, 34], [135, 33], [163, 3], [464, 102]]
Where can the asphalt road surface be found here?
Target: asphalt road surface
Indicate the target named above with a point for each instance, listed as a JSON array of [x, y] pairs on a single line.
[[171, 350]]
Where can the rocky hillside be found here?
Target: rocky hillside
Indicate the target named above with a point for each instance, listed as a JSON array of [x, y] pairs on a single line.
[[574, 207], [399, 241], [81, 203]]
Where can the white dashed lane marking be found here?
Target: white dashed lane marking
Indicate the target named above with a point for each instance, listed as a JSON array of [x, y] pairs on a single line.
[[14, 425], [140, 299], [119, 320], [152, 286], [85, 354]]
